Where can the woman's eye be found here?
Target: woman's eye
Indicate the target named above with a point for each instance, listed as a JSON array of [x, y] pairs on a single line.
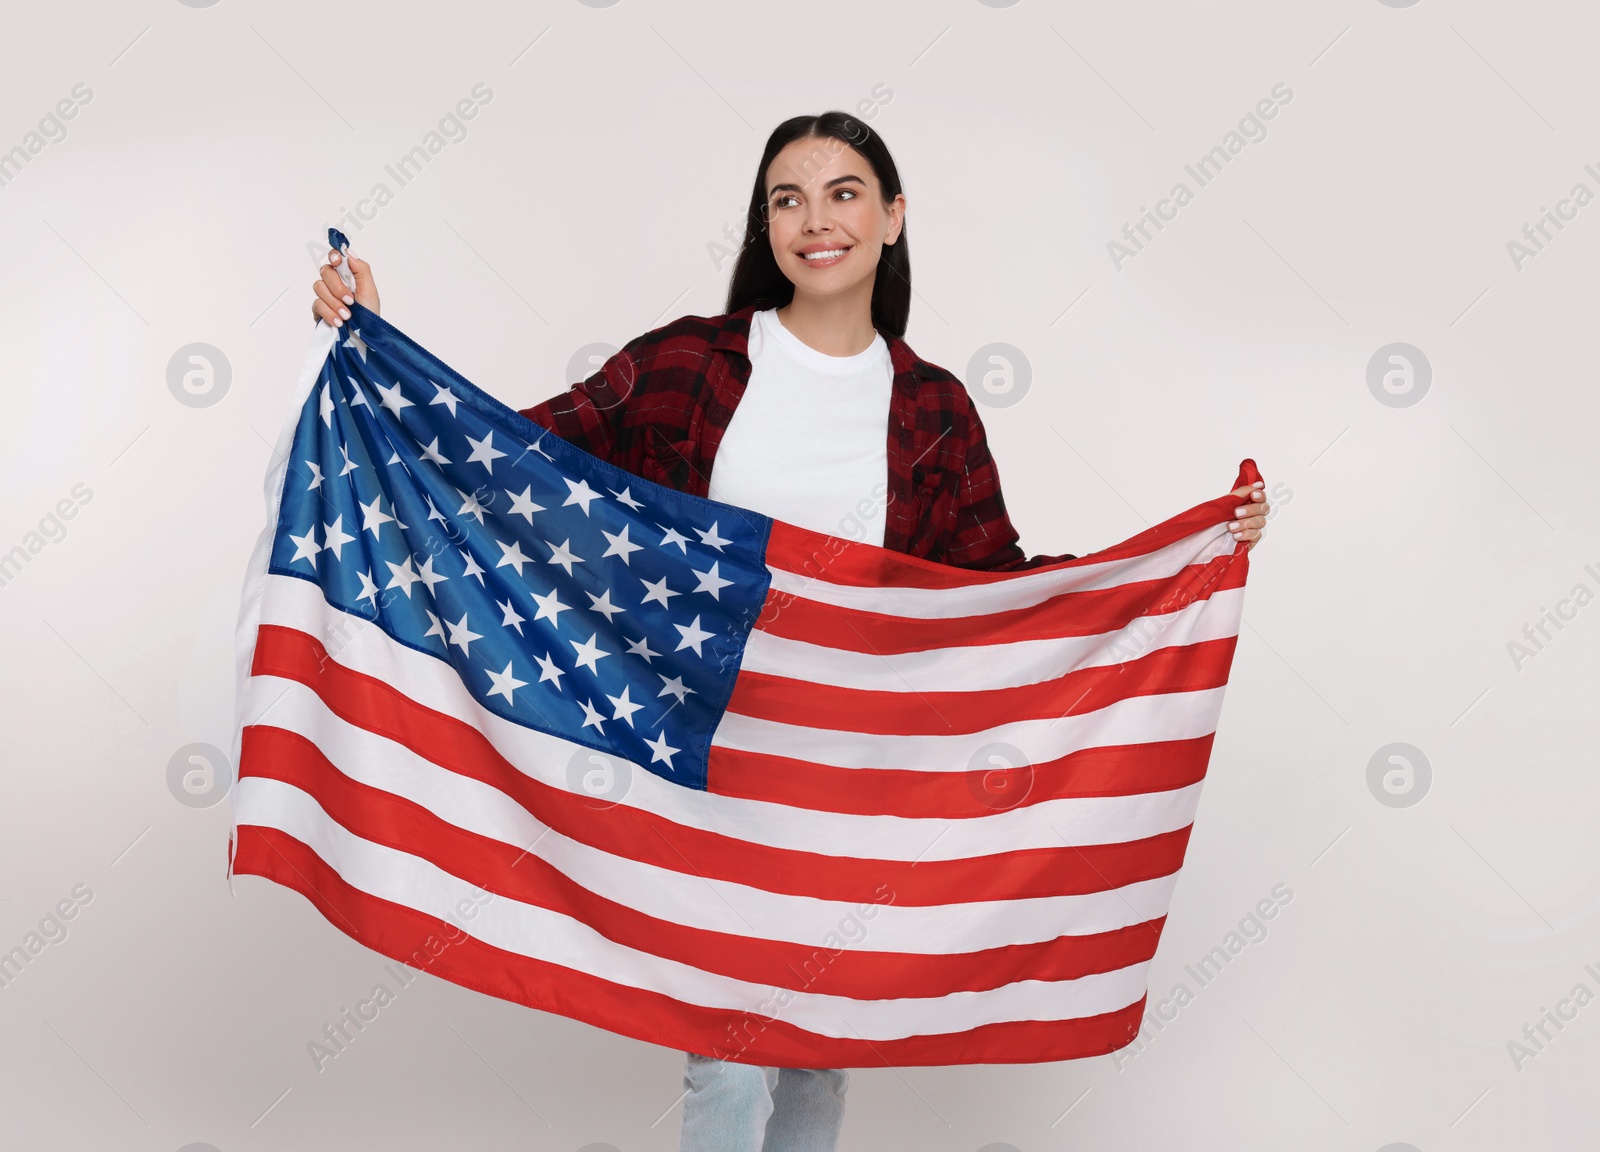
[[850, 192]]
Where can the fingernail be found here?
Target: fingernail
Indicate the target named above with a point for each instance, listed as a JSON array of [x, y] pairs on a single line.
[[1260, 484], [349, 299], [1233, 524], [345, 312]]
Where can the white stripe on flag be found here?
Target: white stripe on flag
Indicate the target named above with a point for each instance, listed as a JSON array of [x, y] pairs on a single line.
[[374, 759], [528, 930], [980, 599], [1136, 720], [978, 667]]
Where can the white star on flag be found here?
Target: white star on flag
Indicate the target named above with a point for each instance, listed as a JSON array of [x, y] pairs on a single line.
[[673, 686], [510, 618], [659, 592], [624, 708], [513, 555], [588, 653], [334, 537], [428, 576], [470, 506], [710, 538], [550, 670], [523, 505], [582, 495], [373, 518], [693, 635], [641, 648], [462, 636], [619, 545], [550, 607], [446, 397], [661, 750], [404, 576], [484, 452], [393, 399], [711, 582], [306, 547], [504, 683], [562, 555]]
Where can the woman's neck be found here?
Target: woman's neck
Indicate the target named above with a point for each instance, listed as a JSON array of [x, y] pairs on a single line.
[[835, 325]]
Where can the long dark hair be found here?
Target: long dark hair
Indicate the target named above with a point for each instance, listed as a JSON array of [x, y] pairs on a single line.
[[758, 280]]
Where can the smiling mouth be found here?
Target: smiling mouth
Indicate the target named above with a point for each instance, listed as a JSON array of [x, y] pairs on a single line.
[[825, 257]]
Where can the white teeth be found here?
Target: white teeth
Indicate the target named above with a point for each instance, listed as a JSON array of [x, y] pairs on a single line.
[[825, 255]]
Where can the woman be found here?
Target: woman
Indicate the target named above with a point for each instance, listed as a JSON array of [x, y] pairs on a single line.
[[804, 403]]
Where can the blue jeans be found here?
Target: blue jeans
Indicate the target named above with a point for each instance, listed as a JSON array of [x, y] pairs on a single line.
[[732, 1107]]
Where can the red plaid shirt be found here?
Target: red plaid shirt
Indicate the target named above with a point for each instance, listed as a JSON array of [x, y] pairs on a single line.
[[659, 407]]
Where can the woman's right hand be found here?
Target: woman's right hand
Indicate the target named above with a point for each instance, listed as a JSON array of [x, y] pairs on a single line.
[[332, 296]]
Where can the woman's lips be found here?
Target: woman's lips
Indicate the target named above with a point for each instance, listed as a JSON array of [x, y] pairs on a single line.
[[828, 261]]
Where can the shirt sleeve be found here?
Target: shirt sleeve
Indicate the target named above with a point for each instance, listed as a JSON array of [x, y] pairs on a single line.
[[589, 414], [984, 536]]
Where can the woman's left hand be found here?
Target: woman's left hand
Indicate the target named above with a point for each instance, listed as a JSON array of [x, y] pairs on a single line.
[[1252, 514]]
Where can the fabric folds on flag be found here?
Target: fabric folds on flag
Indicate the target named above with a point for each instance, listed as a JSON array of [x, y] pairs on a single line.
[[518, 718]]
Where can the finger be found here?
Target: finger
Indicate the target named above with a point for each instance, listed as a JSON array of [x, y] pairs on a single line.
[[336, 285], [330, 307], [366, 290]]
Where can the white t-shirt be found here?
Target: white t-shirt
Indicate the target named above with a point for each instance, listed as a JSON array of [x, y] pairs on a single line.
[[809, 439]]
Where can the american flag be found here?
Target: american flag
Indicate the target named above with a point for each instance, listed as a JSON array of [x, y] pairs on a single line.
[[664, 765]]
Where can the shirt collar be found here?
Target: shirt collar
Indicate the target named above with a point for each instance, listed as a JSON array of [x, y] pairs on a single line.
[[733, 335]]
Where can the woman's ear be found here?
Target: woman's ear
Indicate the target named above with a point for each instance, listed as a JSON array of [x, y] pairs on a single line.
[[897, 217]]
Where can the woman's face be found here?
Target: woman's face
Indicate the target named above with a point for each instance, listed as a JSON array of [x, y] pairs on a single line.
[[826, 217]]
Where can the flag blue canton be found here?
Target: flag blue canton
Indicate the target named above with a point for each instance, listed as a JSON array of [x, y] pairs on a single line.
[[569, 596]]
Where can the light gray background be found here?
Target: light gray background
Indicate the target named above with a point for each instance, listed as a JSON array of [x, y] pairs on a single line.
[[1410, 545]]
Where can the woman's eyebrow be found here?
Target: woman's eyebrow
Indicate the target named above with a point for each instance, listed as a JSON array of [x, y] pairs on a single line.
[[830, 184]]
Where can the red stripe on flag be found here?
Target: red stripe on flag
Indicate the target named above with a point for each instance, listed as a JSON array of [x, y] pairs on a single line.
[[840, 561], [786, 701], [506, 870], [457, 746], [434, 946], [1114, 770], [1091, 613]]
